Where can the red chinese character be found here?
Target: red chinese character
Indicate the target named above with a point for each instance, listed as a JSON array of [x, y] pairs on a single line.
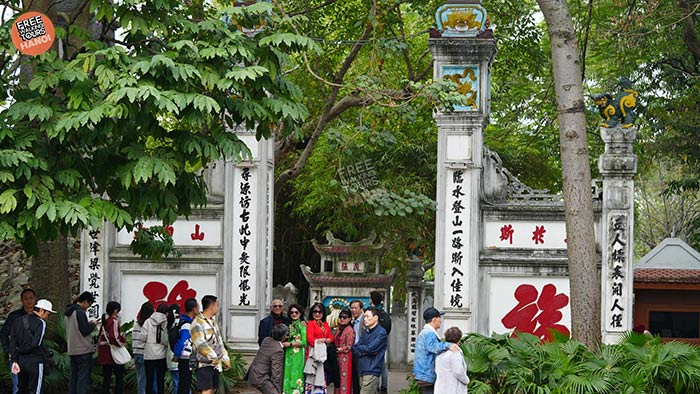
[[196, 235], [170, 230], [344, 266], [524, 317], [356, 267], [507, 233], [156, 293], [538, 235]]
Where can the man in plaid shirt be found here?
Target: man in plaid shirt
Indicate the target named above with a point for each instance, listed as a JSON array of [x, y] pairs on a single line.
[[208, 346]]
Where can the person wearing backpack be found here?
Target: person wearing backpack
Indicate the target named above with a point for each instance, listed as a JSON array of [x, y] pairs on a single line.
[[81, 346], [154, 334], [30, 359], [173, 332], [28, 298], [110, 335], [183, 346]]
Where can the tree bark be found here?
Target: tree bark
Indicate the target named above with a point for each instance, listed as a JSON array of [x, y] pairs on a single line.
[[576, 174], [50, 275]]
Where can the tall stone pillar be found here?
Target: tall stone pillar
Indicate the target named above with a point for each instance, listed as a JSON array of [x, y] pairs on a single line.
[[463, 53], [248, 221], [617, 166]]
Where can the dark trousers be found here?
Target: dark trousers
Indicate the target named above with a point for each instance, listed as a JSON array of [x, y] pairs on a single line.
[[183, 370], [155, 368], [355, 376], [31, 375], [80, 370], [118, 371]]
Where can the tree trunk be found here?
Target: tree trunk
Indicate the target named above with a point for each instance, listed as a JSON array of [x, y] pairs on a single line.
[[576, 174], [50, 275]]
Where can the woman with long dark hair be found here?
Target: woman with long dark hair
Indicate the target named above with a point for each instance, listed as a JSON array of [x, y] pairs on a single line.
[[110, 335], [138, 345], [295, 354], [344, 339], [317, 332]]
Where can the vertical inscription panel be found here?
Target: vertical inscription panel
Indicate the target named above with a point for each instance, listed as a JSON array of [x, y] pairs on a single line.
[[245, 243], [457, 239]]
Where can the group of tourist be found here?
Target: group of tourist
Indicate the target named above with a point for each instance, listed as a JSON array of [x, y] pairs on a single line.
[[22, 338], [300, 355], [296, 355], [160, 337]]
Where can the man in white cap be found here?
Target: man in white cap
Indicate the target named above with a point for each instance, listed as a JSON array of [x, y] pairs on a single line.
[[28, 353]]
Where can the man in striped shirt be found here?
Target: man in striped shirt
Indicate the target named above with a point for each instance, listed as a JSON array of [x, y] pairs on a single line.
[[208, 346]]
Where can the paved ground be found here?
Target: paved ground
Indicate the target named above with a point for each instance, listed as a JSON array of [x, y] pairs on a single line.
[[397, 381]]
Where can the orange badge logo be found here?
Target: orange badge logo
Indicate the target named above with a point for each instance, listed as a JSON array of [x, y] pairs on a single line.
[[33, 33]]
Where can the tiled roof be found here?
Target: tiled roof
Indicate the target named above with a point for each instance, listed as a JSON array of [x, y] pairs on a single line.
[[671, 253], [346, 280], [666, 275]]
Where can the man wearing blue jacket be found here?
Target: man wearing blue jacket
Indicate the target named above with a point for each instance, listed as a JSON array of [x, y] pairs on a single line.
[[183, 347], [428, 346], [370, 351]]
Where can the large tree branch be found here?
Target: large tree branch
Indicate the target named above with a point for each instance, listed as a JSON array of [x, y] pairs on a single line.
[[331, 110], [336, 110]]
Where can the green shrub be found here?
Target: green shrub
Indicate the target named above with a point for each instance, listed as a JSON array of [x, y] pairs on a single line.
[[524, 365]]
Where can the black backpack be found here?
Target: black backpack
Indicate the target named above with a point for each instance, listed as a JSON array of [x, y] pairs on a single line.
[[174, 334], [25, 345], [385, 321]]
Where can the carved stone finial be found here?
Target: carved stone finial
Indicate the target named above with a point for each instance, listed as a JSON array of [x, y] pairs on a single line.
[[620, 111], [463, 18]]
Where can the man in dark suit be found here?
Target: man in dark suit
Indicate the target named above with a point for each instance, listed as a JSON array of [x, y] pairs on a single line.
[[266, 372], [275, 318]]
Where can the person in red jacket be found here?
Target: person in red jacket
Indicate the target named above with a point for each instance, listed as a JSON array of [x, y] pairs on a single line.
[[318, 328], [110, 335], [317, 332]]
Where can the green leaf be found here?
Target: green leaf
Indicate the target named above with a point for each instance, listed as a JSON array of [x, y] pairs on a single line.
[[8, 202], [6, 176], [243, 73], [206, 104]]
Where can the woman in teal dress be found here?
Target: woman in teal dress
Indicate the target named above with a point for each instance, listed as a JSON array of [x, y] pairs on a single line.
[[294, 355]]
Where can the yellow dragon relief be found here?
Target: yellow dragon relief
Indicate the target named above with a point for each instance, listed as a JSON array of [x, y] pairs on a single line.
[[465, 87]]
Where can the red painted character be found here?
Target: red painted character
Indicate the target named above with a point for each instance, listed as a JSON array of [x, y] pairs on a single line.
[[507, 233], [156, 293], [524, 317], [196, 235], [538, 235]]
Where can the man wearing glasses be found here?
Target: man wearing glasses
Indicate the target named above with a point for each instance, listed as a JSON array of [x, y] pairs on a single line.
[[275, 318]]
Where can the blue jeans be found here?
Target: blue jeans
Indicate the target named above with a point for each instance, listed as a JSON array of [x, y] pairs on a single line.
[[80, 381], [140, 373], [15, 380], [175, 377]]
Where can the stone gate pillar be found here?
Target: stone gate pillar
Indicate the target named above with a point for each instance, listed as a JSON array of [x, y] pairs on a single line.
[[248, 224], [463, 50], [617, 166]]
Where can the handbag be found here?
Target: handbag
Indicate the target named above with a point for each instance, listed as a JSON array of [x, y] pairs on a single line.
[[120, 355]]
